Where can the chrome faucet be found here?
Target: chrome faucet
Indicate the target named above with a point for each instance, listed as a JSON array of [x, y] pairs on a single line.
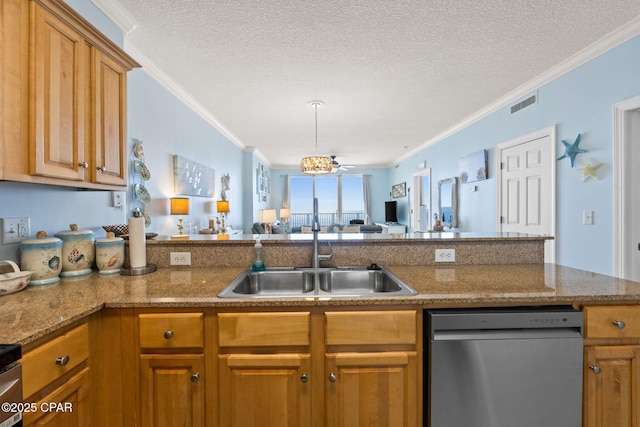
[[315, 229]]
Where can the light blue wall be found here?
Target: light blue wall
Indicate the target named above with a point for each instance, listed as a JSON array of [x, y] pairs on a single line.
[[580, 101]]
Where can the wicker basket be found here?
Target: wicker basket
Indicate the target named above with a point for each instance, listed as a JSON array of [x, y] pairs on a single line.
[[117, 229]]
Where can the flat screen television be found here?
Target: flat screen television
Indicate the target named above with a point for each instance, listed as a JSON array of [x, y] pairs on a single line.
[[390, 211]]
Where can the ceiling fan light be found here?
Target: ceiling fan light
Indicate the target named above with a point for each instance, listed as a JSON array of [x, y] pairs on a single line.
[[316, 165]]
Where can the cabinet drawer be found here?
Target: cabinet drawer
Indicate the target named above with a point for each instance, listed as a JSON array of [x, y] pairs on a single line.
[[604, 321], [171, 330], [46, 363], [263, 329], [371, 327]]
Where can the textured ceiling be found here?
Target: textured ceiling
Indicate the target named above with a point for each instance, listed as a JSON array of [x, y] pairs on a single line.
[[392, 74]]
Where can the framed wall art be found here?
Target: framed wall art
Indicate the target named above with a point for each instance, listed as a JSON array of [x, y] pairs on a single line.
[[399, 190], [192, 179], [262, 183], [473, 167]]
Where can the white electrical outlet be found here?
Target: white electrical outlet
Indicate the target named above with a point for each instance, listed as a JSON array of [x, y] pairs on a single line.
[[445, 255], [180, 258], [15, 230]]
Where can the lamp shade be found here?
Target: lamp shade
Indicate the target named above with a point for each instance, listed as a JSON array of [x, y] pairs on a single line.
[[179, 206], [285, 213], [268, 216], [316, 165], [222, 206]]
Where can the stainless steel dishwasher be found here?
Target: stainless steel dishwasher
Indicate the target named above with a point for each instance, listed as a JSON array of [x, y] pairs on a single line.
[[504, 367]]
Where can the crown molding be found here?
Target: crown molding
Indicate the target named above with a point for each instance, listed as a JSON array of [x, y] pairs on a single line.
[[118, 14]]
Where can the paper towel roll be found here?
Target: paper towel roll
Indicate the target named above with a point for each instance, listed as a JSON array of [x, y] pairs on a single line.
[[137, 243]]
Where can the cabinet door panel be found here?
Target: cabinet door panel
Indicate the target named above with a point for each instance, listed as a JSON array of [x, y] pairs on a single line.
[[611, 396], [169, 394], [264, 390], [57, 91], [109, 119], [366, 389], [72, 405]]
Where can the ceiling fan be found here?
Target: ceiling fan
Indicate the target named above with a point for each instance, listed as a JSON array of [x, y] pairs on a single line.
[[336, 166]]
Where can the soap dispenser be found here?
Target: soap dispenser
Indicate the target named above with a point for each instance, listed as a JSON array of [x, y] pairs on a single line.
[[258, 264]]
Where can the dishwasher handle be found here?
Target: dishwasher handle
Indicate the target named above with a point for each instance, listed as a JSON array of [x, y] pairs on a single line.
[[505, 334]]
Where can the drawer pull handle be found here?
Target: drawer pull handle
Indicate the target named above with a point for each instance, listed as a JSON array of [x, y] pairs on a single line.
[[619, 323], [102, 168], [195, 378], [61, 361], [304, 378], [168, 335], [332, 378], [595, 369], [83, 165]]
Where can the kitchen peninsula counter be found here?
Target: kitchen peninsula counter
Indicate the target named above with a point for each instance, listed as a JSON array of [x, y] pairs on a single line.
[[39, 310]]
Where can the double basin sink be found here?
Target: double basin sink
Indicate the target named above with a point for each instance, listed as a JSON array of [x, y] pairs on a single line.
[[372, 281]]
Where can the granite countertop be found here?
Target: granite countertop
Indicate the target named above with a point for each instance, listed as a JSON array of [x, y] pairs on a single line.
[[39, 310]]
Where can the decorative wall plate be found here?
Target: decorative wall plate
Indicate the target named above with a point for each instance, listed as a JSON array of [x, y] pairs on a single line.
[[138, 151], [142, 170], [142, 193]]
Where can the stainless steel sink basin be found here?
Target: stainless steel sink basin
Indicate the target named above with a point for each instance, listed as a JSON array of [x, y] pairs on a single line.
[[332, 282]]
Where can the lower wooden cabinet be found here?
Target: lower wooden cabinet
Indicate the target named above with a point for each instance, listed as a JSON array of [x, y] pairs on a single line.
[[612, 366], [371, 389], [67, 406], [172, 393], [266, 390]]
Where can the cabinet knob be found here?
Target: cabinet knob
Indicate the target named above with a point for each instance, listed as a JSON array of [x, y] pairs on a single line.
[[168, 335], [619, 323], [102, 168], [195, 378], [595, 369], [304, 378], [332, 378], [61, 361], [83, 165]]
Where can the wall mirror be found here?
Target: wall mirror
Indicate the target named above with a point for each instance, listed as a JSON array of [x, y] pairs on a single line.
[[448, 202]]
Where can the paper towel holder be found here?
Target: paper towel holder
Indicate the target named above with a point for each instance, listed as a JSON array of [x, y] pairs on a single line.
[[137, 271]]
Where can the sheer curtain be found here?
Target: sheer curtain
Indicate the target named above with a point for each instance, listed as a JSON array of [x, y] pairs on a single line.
[[367, 199], [285, 196]]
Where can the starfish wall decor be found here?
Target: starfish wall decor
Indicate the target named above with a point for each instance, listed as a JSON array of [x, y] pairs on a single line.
[[572, 150], [589, 170]]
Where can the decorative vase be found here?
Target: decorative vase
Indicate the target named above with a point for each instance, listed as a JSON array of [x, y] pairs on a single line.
[[110, 254], [78, 251], [43, 256]]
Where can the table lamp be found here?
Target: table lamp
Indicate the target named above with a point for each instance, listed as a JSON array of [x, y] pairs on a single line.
[[285, 214], [180, 206], [268, 217], [223, 208]]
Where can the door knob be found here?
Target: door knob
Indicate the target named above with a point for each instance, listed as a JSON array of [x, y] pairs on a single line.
[[102, 168], [332, 378], [168, 335], [83, 165], [195, 378], [304, 378], [595, 369], [62, 360]]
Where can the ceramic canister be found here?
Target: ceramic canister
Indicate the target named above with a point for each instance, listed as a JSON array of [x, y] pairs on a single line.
[[78, 251], [43, 256], [109, 254]]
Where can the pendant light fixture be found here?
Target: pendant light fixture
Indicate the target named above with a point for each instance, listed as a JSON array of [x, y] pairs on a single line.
[[315, 165]]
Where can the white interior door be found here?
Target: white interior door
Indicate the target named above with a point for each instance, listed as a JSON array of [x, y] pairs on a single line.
[[526, 184]]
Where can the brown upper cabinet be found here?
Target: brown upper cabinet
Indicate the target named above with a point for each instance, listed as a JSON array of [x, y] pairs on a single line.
[[64, 98]]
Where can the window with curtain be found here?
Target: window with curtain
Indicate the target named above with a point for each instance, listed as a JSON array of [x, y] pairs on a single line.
[[340, 199]]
